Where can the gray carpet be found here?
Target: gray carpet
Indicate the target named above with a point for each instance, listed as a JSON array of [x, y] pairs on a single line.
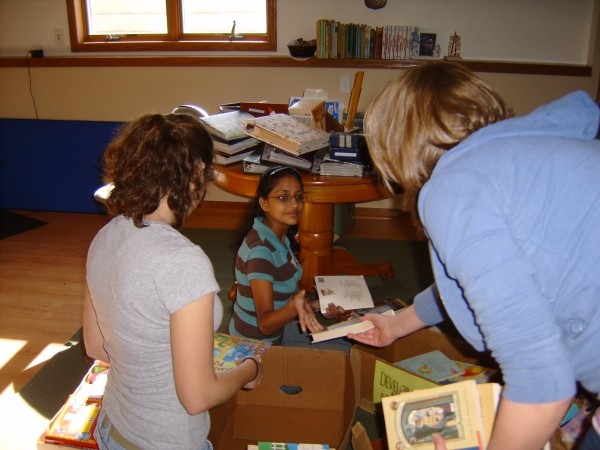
[[50, 387]]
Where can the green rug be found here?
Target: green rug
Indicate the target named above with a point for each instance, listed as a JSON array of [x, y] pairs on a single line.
[[50, 387], [12, 223]]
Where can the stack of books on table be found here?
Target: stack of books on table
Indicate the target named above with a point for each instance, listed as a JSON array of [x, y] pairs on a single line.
[[230, 142], [323, 164]]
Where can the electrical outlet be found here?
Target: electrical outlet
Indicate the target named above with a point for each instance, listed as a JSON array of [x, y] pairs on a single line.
[[59, 37], [345, 84]]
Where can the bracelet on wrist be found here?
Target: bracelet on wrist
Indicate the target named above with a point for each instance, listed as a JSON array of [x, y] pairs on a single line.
[[253, 359]]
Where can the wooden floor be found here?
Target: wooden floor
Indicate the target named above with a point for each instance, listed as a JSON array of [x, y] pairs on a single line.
[[41, 291]]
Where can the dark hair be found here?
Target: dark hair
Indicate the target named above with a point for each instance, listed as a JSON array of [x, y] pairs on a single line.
[[267, 182], [156, 156]]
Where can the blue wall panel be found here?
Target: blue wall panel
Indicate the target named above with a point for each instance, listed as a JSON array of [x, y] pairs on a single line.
[[52, 165]]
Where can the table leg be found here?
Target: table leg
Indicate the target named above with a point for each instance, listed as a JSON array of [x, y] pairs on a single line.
[[318, 256]]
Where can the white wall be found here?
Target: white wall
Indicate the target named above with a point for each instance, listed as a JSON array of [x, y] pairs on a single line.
[[553, 31]]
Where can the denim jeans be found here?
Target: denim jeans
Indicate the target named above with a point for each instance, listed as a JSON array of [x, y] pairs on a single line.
[[108, 438]]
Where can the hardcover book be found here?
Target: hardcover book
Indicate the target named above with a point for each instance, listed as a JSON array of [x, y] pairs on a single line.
[[286, 133], [454, 411], [228, 348], [342, 329], [346, 291]]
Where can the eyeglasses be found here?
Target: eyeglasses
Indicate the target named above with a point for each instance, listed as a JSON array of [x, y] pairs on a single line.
[[286, 198]]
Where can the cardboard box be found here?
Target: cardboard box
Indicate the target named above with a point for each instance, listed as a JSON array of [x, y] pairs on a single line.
[[306, 395], [363, 357]]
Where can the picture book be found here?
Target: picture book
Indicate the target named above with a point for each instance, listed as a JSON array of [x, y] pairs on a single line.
[[227, 126], [341, 329], [287, 446], [454, 411], [346, 291], [228, 348], [286, 133], [438, 367]]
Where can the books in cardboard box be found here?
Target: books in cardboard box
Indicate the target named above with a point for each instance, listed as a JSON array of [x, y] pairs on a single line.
[[228, 348], [74, 424], [286, 133], [455, 411], [227, 126], [347, 291]]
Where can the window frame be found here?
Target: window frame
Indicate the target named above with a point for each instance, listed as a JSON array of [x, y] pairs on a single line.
[[174, 40]]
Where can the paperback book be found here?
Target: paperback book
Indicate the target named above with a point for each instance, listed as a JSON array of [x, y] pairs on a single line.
[[455, 411], [349, 292], [341, 329], [228, 348]]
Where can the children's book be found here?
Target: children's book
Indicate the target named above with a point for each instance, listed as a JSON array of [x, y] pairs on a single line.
[[228, 348], [227, 126], [286, 133], [346, 291], [454, 411]]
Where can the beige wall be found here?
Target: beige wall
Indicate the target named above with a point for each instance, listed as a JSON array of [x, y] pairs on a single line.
[[492, 29]]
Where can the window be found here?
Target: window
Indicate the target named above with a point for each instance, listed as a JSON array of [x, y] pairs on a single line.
[[172, 25]]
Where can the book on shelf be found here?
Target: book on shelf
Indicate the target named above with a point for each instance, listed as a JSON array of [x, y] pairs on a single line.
[[225, 159], [228, 348], [456, 411], [227, 126], [277, 156], [286, 133], [349, 292], [341, 329], [253, 163], [436, 366], [234, 146]]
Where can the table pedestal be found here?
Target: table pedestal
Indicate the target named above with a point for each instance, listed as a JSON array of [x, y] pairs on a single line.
[[319, 256]]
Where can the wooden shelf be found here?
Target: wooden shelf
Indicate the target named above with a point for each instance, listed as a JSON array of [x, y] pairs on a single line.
[[529, 68]]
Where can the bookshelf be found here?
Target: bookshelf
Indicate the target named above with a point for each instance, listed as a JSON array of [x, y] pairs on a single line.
[[514, 67]]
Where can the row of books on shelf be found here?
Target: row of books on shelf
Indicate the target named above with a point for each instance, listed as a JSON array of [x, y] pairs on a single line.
[[350, 40]]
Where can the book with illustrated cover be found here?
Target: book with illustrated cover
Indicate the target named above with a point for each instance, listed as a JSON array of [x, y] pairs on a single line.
[[276, 156], [347, 291], [341, 329], [454, 411], [228, 348], [438, 367], [227, 126], [74, 424], [286, 133], [288, 446]]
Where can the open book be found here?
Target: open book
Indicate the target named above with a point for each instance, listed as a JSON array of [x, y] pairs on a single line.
[[347, 291], [286, 133], [462, 413]]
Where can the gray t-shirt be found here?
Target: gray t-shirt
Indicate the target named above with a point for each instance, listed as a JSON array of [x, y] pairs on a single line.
[[137, 278]]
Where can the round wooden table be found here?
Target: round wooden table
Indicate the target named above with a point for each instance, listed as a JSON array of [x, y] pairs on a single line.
[[318, 255]]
